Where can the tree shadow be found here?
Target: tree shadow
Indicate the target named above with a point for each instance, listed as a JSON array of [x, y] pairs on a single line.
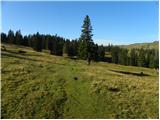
[[17, 56], [25, 54], [141, 74]]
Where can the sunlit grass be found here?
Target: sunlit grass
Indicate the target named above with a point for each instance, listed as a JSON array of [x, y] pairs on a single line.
[[39, 85]]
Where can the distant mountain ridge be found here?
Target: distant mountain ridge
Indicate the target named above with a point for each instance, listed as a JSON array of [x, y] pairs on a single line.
[[147, 45]]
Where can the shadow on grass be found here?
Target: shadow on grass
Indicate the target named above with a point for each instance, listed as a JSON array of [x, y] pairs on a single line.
[[11, 54], [141, 74], [16, 56], [16, 52]]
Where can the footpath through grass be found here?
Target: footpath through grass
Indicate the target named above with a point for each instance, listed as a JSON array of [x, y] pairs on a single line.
[[39, 85]]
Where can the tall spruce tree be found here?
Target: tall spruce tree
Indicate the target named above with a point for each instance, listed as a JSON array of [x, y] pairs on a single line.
[[11, 38], [18, 38], [37, 42], [141, 58], [85, 49], [101, 52], [123, 56], [66, 48], [25, 40], [133, 57], [114, 53], [4, 38]]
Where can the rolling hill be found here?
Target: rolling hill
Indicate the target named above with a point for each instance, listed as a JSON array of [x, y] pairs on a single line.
[[39, 85], [152, 45]]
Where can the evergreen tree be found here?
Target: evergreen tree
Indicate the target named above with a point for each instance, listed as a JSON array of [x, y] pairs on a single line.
[[30, 41], [133, 57], [141, 58], [85, 50], [37, 42], [66, 48], [25, 41], [108, 48], [46, 44], [151, 61], [154, 59], [101, 52], [4, 38], [156, 65], [18, 38], [95, 53], [54, 45], [123, 56], [74, 47], [147, 58], [11, 38], [114, 54]]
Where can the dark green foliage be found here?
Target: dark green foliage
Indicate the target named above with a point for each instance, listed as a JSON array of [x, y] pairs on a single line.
[[154, 59], [66, 47], [141, 58], [25, 41], [85, 49], [108, 48], [133, 57], [82, 50], [11, 38], [37, 42], [115, 53], [55, 45], [4, 38], [123, 57], [47, 38], [95, 53], [60, 43], [101, 52], [73, 47], [18, 38]]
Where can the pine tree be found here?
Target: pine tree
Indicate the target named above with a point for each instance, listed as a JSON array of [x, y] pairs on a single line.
[[154, 59], [11, 38], [37, 42], [4, 38], [66, 48], [85, 50], [47, 39], [114, 54], [95, 53], [123, 56], [74, 47], [18, 38], [25, 41], [141, 58], [30, 41], [101, 52], [156, 65], [133, 57], [147, 58]]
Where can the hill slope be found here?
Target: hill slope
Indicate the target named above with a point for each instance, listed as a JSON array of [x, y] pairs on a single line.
[[39, 85], [153, 45]]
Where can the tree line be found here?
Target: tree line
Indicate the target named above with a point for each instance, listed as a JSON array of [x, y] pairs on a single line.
[[55, 44], [134, 57], [84, 47]]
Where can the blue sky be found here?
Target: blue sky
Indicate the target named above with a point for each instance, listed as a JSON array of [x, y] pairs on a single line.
[[112, 22]]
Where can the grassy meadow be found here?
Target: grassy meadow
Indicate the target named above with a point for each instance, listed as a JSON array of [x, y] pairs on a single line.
[[39, 85]]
